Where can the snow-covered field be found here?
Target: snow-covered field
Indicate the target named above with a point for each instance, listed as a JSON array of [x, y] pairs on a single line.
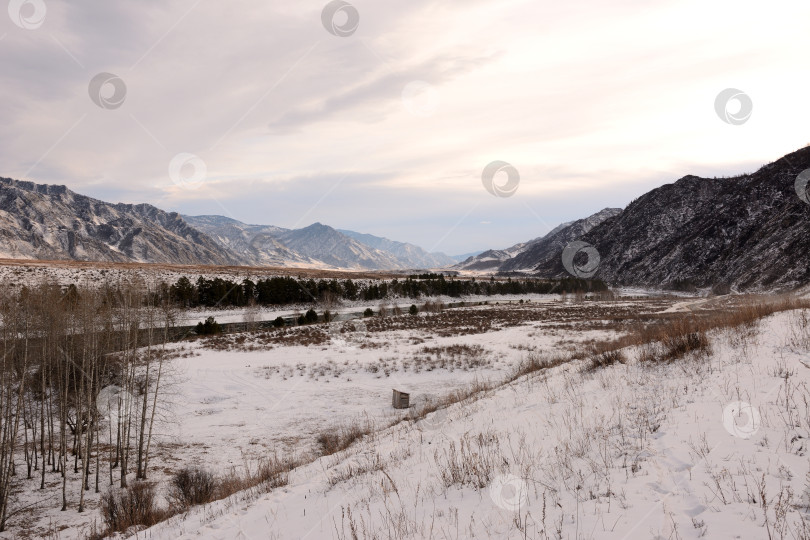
[[626, 451], [226, 403], [709, 446]]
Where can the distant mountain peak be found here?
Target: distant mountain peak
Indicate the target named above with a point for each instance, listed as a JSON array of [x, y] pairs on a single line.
[[42, 221], [409, 255], [316, 245]]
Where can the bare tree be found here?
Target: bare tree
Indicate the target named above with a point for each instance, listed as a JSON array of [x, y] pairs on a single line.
[[251, 317], [58, 348], [169, 316], [12, 385]]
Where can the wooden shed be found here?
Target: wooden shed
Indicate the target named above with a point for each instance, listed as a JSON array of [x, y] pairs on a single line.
[[401, 400]]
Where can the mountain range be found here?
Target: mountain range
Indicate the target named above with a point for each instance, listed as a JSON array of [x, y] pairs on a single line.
[[39, 221], [317, 245], [747, 232]]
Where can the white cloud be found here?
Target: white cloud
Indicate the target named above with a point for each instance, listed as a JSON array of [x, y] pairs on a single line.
[[593, 102]]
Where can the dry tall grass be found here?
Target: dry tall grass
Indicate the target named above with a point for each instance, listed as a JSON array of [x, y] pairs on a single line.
[[671, 336], [339, 438], [132, 506], [264, 475]]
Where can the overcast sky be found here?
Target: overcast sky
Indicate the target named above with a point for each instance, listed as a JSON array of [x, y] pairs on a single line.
[[388, 128]]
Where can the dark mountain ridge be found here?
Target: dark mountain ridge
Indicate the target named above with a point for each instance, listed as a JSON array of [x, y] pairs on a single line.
[[750, 232]]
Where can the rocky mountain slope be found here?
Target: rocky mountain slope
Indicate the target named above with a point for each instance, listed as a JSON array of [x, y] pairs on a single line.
[[464, 256], [316, 246], [747, 232], [326, 244], [492, 259], [551, 245], [52, 222], [409, 255], [255, 245], [39, 221]]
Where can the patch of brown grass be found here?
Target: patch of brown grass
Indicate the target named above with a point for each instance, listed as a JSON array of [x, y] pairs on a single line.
[[605, 359], [340, 438], [534, 362], [266, 474]]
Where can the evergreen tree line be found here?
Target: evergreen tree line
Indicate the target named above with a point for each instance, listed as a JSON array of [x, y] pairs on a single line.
[[289, 290]]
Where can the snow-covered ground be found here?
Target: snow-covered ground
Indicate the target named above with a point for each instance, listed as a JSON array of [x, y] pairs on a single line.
[[353, 308], [226, 406], [234, 405], [711, 447]]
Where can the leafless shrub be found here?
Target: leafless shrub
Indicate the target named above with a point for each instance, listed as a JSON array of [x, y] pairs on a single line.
[[674, 340], [366, 464], [132, 506], [449, 357], [680, 345], [649, 353], [800, 329], [604, 296], [433, 307], [251, 316], [329, 300], [267, 339], [192, 485]]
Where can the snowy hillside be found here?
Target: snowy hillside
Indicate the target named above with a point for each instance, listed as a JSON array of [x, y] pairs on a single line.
[[550, 246], [712, 445], [749, 232], [316, 246], [745, 233]]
